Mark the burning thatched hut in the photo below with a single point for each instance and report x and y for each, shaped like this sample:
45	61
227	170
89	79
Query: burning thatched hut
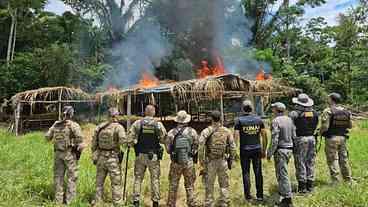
41	107
198	96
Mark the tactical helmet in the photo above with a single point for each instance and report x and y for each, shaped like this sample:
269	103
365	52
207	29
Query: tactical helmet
336	97
68	111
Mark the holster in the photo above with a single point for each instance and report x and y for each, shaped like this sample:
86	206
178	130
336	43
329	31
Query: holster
77	152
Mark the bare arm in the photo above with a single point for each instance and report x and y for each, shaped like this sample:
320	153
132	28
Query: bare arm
264	141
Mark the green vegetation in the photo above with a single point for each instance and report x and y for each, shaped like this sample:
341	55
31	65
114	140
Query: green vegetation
26	176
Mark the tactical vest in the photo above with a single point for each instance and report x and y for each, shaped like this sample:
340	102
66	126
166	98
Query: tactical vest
62	136
182	148
107	139
217	143
339	122
148	140
306	123
250	130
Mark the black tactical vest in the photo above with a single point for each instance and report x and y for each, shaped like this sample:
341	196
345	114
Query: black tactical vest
148	140
250	129
339	122
306	123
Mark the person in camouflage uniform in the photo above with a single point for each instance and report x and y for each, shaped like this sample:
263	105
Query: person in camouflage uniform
107	156
182	145
68	144
306	121
217	152
146	135
335	125
283	133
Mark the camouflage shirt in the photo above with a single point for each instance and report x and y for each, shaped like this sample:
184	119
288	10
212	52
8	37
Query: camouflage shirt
134	130
205	134
113	128
326	119
76	135
188	131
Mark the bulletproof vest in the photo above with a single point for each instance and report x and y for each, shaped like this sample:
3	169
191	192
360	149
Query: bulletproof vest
62	133
217	143
250	129
107	139
148	140
306	123
182	148
339	122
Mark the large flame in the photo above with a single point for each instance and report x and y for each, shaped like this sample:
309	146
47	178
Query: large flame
206	70
262	75
148	80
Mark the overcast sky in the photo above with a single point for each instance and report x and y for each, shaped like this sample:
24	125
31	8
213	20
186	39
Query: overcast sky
330	10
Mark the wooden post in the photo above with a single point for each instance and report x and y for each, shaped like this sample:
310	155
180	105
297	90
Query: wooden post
262	105
60	105
222	109
129	110
17	118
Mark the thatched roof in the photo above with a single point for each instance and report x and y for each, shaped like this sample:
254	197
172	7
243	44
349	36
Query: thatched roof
50	94
211	87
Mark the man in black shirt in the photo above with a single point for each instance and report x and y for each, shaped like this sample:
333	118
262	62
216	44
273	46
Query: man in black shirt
249	128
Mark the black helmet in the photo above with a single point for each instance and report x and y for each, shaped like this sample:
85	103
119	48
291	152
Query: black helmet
336	97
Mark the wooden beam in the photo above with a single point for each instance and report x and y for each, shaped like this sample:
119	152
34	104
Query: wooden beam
129	110
17	118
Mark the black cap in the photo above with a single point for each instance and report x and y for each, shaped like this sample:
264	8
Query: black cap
336	97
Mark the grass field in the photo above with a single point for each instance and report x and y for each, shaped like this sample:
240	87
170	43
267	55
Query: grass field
26	176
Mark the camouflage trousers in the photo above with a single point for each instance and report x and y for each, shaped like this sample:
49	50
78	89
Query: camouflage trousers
108	164
217	169
304	158
282	157
188	172
142	162
65	163
337	155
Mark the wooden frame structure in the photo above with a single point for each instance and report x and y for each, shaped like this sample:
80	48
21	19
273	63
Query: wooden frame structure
55	96
173	96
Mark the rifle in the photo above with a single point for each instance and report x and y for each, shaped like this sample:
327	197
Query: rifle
77	152
126	174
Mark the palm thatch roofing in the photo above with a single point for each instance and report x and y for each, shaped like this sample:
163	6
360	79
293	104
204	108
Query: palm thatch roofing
51	95
209	88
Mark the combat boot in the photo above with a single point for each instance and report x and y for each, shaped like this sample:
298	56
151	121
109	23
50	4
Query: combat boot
136	203
155	204
310	186
302	187
286	202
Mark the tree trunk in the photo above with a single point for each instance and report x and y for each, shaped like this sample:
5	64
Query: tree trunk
10	40
14	35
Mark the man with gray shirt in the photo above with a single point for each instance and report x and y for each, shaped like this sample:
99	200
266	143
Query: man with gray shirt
282	134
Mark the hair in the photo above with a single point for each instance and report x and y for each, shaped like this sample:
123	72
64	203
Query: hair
216	116
334	99
150	110
247	109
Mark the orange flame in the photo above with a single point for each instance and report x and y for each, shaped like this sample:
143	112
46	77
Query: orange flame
206	70
261	75
148	80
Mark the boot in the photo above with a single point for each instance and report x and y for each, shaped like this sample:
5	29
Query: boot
310	186
136	203
302	187
286	202
155	204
